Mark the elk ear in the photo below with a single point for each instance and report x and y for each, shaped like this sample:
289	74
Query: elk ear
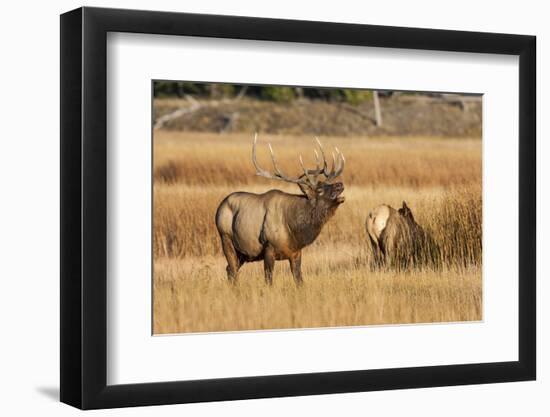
306	189
406	211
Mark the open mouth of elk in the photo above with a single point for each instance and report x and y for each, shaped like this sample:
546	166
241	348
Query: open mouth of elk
336	191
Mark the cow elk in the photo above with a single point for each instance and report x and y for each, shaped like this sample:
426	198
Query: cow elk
277	225
398	241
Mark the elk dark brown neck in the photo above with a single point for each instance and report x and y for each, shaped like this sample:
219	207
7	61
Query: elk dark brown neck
307	218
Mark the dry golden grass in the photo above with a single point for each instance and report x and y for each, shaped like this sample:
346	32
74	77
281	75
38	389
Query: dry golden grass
212	159
193	296
439	178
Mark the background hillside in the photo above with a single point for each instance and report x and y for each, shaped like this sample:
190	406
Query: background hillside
226	108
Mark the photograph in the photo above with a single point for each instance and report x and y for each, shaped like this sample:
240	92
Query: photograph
284	207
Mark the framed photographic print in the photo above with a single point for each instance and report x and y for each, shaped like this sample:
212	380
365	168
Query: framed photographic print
257	208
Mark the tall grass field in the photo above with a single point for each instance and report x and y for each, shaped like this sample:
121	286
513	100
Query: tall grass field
440	179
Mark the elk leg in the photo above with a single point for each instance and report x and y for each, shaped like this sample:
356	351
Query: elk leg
385	255
377	253
269	263
233	262
296	268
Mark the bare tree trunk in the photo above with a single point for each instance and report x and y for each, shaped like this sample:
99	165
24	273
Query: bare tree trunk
214	91
377	110
242	92
194	106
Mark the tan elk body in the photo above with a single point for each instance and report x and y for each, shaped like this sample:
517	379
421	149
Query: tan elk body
277	225
398	240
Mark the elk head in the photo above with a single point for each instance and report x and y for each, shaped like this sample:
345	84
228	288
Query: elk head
406	212
316	184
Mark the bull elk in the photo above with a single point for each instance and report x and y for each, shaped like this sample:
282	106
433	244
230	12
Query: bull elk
397	240
277	225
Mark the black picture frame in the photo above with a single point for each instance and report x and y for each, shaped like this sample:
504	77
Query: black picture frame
84	207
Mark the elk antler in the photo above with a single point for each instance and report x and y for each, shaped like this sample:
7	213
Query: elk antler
278	174
310	176
337	168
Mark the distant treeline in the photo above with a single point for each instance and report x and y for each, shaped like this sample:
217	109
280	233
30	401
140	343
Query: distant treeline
267	93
